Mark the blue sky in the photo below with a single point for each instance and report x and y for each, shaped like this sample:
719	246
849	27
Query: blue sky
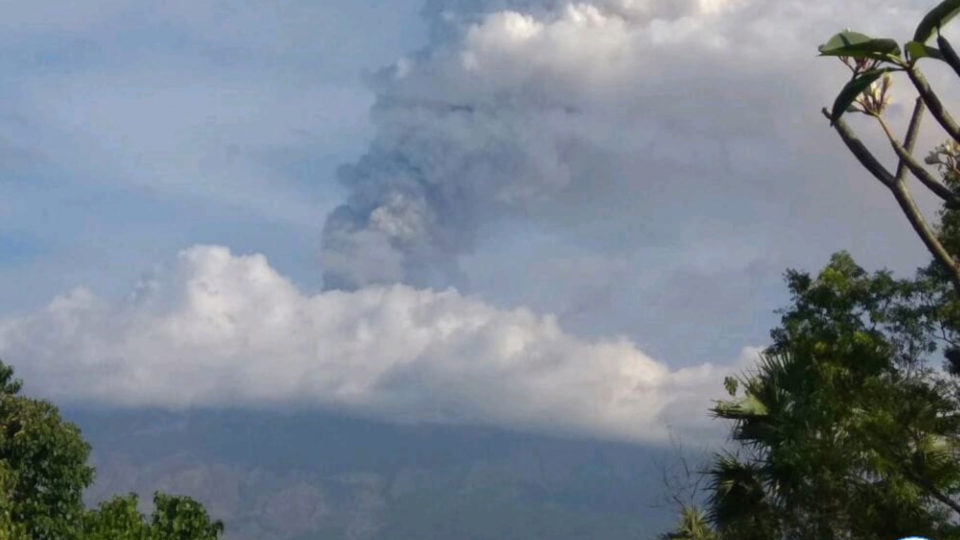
132	132
587	207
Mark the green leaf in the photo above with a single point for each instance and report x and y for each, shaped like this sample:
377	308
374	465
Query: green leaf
852	90
935	20
949	54
857	45
731	384
746	407
916	50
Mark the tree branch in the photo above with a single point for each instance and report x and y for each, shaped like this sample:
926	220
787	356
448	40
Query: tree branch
900	192
916	479
932	490
861	152
908	162
923	230
913	129
933	102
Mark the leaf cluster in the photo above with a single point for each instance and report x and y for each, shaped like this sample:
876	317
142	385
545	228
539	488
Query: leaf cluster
871	58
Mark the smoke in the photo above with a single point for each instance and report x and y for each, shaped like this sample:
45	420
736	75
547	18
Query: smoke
499	115
554	110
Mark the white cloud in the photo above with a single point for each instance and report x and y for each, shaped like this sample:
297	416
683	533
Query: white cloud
223	330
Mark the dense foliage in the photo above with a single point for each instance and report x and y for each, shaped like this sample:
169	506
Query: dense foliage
843	430
43	473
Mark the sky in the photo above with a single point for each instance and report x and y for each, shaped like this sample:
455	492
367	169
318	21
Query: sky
551	216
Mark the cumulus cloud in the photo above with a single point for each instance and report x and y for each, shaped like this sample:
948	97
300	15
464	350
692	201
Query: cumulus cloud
216	329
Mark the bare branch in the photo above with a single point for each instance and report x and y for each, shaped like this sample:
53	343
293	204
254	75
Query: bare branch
908	162
923	230
933	102
902	194
913	129
862	153
681	480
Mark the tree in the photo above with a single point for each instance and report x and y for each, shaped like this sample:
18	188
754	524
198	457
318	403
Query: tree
871	62
841	430
117	518
173	518
844	430
182	518
42	462
43	473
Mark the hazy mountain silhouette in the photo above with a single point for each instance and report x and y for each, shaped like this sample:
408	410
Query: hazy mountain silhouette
311	475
